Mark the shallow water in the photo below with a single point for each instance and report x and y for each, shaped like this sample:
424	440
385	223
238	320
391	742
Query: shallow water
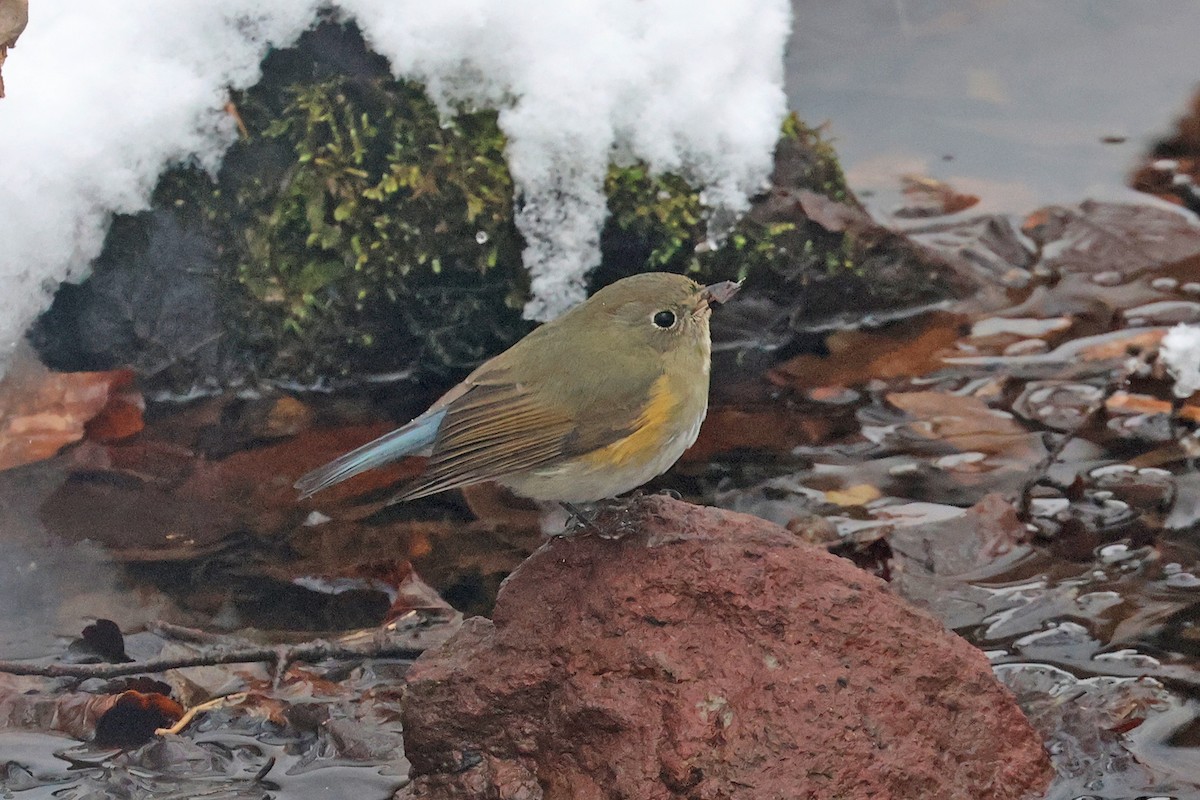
1092	623
1016	101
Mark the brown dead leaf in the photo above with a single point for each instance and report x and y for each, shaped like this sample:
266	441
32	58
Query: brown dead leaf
961	543
904	350
857	495
287	417
1125	403
772	429
1121	344
929	197
830	214
111	720
14	15
1124	239
122	416
41	412
133	717
966	423
148	501
414	594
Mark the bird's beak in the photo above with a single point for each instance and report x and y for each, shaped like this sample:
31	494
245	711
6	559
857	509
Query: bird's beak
720	292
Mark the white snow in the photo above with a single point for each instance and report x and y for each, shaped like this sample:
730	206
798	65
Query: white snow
104	94
1180	354
685	85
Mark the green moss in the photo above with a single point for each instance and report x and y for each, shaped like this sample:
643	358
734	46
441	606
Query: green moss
659	222
391	230
362	232
819	169
389	238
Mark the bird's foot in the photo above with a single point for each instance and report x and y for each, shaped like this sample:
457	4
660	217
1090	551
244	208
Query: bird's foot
607	519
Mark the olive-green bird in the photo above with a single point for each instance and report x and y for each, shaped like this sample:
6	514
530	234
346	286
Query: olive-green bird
584	408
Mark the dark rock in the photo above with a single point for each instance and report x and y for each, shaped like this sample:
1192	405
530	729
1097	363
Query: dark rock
1115	239
709	654
152	303
990	245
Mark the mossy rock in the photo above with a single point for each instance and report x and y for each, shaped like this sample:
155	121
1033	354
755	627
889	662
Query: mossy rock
352	231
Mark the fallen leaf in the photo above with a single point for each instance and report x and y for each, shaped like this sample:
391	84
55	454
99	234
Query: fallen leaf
1124	239
982	540
122	416
830	214
287	417
1127	725
103	638
908	349
414	594
1120	344
929	197
110	720
14	14
41	411
1124	403
133	717
989	246
858	495
964	422
773	428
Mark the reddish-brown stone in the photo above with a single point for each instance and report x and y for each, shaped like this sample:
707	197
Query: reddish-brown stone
709	655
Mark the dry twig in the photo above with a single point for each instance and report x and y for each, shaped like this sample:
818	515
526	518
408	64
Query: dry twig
279	657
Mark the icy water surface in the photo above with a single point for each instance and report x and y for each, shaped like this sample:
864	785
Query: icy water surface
1020	102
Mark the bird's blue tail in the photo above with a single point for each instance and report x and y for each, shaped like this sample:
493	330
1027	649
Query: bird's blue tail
412	438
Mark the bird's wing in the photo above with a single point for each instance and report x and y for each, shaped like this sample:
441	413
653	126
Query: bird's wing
495	428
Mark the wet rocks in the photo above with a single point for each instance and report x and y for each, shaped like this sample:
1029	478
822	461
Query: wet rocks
708	654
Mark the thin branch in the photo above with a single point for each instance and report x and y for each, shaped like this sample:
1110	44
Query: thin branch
279	657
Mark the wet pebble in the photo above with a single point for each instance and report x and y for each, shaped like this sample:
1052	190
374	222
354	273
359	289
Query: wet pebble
1030	327
1026	347
1129	656
1183	580
1168	312
1147	488
1061	405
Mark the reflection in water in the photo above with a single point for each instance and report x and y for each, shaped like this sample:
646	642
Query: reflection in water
1011	100
46	587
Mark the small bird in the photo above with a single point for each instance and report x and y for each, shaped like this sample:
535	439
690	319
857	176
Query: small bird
584	408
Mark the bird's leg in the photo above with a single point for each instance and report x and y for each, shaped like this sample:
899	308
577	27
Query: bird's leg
578	520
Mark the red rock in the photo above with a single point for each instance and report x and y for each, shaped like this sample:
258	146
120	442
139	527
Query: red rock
709	655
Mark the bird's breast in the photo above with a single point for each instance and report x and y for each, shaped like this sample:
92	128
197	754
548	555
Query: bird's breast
666	427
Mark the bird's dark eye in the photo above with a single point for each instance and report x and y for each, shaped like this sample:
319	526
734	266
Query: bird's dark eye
664	319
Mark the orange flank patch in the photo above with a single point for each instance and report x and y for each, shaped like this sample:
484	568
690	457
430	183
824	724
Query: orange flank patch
655	425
